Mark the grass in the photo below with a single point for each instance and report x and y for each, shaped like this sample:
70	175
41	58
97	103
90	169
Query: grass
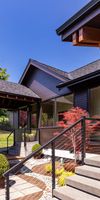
3	139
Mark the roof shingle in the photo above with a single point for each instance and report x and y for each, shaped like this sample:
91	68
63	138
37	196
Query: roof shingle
16	89
87	69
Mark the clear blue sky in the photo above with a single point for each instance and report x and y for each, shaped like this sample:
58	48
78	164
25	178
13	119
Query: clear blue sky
27	30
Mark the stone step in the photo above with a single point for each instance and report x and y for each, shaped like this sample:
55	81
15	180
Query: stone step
88	171
85	184
69	193
93	161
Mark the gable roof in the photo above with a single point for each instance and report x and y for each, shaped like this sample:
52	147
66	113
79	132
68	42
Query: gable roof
66	78
16	89
78	16
61	75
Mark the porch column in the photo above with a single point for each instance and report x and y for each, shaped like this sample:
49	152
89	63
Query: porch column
55	112
29	113
15	119
39	114
16	125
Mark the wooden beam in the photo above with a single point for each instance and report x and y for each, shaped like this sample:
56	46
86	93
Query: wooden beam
87	44
18	98
80	24
89	35
75	40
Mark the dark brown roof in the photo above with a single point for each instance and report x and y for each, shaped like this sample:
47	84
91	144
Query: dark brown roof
60	74
65	77
82	72
56	71
16	89
87	69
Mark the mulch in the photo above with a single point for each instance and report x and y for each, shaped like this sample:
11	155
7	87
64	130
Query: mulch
2	183
40	169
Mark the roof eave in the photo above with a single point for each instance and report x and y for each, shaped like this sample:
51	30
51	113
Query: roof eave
80	79
79	15
24	72
30	62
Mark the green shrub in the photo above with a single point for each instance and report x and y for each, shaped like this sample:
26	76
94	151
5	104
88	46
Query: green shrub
34	148
48	168
4	164
61	179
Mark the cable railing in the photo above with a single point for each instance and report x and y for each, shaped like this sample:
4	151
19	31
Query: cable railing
23	140
62	153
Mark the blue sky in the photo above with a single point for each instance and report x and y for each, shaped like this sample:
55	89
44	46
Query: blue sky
27	30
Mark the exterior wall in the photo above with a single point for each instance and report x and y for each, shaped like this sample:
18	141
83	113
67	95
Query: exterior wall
81	99
88	99
44	84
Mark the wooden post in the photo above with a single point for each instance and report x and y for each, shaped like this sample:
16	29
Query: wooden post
29	113
55	113
39	116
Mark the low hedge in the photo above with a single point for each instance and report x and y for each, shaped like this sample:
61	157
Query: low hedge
34	148
4	165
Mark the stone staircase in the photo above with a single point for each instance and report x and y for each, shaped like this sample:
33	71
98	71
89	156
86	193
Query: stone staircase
84	185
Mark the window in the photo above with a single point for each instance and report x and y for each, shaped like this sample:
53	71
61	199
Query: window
47	114
63	105
95	101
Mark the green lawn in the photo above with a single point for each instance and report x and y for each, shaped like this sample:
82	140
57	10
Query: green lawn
3	139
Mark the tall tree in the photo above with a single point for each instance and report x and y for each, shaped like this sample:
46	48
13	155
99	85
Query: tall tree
3	74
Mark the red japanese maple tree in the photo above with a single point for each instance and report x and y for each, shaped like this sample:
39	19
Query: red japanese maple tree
74	136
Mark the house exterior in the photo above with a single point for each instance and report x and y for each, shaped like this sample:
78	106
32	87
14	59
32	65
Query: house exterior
54	92
45	92
59	90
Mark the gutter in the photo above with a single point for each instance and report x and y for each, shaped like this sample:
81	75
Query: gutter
78	16
79	80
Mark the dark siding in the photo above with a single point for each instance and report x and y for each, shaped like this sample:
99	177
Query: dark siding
81	99
44	84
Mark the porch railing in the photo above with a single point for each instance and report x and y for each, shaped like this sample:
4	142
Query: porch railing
72	139
12	133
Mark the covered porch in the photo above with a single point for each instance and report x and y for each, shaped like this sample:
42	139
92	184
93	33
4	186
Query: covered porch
15	99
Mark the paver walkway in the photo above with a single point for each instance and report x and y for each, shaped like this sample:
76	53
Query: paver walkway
19	188
23	189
